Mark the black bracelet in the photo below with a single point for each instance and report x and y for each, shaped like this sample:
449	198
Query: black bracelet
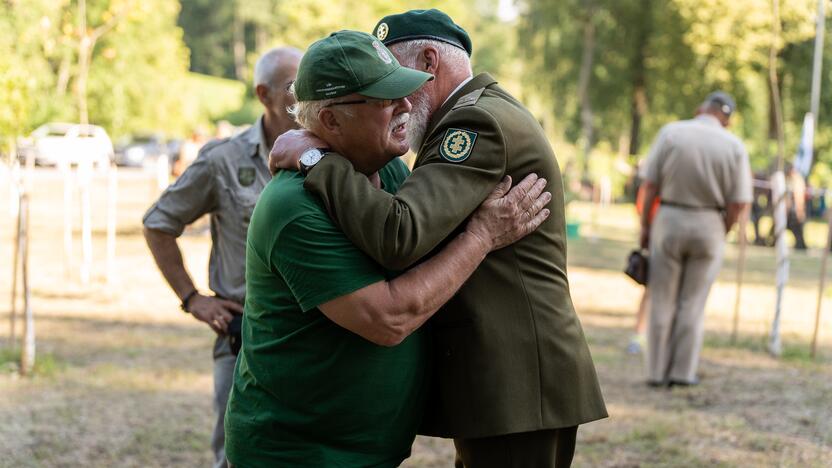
186	299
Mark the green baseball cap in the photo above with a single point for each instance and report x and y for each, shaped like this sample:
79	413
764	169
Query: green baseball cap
422	24
349	62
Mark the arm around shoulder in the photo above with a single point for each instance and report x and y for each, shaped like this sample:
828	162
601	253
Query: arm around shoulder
397	230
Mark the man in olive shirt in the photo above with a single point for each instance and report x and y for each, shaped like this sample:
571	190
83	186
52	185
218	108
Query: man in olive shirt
700	171
331	372
224	181
513	376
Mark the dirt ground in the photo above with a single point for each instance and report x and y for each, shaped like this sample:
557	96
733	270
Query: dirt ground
123	378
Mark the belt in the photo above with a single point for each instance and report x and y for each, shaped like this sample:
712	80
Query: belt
229	299
691	207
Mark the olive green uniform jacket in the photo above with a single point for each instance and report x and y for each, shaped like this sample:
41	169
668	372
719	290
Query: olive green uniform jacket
509	354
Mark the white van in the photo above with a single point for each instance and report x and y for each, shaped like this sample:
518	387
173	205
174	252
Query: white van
62	143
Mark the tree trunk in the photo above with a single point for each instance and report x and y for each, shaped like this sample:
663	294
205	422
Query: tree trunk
84	52
584	77
239	38
63	74
83	62
639	104
261	38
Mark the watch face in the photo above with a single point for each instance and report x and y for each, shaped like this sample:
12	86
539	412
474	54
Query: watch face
311	157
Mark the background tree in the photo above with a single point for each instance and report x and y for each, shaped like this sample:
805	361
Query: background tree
656	60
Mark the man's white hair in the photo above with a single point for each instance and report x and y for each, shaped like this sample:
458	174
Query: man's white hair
267	65
408	52
306	113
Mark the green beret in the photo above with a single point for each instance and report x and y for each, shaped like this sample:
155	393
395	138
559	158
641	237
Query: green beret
422	24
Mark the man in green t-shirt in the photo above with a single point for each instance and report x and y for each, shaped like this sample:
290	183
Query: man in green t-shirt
333	369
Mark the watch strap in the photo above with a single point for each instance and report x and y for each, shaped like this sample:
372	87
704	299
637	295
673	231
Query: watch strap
186	300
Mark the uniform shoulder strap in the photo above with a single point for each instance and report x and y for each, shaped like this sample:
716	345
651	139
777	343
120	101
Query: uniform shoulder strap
469	99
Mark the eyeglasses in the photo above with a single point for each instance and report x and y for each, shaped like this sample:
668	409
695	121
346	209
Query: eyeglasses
379	102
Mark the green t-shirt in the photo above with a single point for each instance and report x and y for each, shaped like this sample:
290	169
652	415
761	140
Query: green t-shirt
306	391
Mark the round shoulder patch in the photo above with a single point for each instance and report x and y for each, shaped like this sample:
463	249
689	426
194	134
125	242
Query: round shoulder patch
381	32
457	145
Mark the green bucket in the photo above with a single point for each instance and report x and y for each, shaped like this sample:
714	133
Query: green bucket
573	229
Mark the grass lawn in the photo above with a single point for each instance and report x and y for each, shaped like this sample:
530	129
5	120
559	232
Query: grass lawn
124	378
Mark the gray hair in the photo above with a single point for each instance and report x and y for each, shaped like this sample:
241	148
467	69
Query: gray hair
306	113
408	51
269	63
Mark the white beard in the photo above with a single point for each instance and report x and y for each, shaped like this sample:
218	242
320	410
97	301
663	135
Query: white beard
418	122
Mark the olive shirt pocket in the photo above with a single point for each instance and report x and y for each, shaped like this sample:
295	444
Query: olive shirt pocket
243	201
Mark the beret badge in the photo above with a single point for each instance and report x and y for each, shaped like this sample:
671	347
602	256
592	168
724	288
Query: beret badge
381	32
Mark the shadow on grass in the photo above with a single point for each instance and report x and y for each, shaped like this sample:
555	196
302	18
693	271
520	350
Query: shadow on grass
74	342
89	425
610	254
46	364
108	324
795	349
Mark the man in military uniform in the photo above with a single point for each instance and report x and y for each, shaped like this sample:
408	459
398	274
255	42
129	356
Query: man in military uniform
333	368
702	175
513	376
224	181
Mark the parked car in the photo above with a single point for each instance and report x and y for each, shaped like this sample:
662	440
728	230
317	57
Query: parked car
57	143
141	150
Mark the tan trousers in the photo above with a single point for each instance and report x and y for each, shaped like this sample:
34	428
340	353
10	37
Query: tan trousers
686	248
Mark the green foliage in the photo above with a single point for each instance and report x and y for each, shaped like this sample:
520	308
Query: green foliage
46	365
213	97
652	62
207	31
140	73
136	72
678	51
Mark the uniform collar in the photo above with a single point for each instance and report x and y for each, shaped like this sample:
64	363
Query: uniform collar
709	119
480	81
464	82
255	139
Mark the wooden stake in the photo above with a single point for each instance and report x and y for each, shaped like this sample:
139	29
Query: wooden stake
66	170
15	270
822	285
85	181
27	356
112	201
162	172
743	238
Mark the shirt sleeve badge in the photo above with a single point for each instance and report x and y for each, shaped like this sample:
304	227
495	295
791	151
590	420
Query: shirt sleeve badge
457	145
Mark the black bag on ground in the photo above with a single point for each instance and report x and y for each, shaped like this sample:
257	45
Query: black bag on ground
637	266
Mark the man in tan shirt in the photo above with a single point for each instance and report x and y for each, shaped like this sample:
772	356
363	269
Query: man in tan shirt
701	173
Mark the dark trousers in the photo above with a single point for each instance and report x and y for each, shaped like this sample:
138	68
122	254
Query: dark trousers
551	448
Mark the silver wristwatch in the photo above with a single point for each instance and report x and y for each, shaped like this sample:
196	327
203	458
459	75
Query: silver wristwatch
311	157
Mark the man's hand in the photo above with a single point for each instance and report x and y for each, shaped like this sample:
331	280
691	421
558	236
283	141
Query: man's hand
217	313
507	216
289	146
644	238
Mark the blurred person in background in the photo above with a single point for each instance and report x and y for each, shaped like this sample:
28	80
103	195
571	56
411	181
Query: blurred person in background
188	152
761	206
224	182
225	129
701	173
795	205
639	337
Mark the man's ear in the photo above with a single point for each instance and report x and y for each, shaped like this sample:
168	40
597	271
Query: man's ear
328	119
262	92
429	59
